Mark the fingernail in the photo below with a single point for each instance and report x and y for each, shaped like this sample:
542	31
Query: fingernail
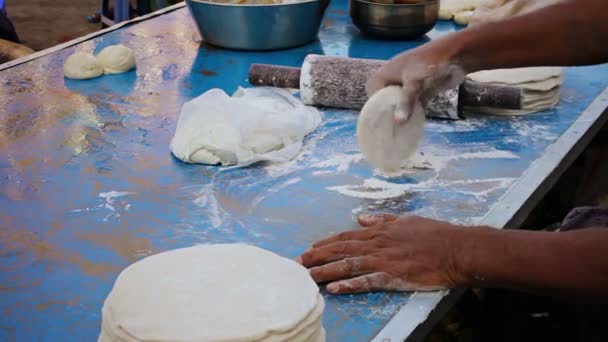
298	260
333	288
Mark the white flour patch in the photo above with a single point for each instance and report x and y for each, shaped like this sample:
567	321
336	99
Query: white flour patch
373	188
111	204
534	131
468	125
323	173
340	162
205	198
440	161
307	152
274	189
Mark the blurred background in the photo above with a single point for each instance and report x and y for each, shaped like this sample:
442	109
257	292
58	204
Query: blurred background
32	25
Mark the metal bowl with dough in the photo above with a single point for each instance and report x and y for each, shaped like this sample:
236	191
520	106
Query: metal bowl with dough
258	24
392	19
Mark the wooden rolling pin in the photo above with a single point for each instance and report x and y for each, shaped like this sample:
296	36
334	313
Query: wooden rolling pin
339	82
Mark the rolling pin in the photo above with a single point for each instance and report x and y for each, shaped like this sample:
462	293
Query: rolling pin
339	82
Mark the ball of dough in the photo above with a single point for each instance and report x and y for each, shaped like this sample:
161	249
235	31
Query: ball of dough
224	292
82	66
462	18
116	59
384	143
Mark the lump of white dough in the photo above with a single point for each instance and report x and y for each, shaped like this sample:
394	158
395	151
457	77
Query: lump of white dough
462	18
82	66
541	88
116	59
383	142
449	8
205	293
255	124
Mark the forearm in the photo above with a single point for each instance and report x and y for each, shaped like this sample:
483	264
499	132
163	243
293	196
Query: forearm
570	263
569	33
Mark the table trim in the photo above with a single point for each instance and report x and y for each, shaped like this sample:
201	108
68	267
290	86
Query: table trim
423	311
89	36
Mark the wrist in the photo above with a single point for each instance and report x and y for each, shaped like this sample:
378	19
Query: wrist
472	243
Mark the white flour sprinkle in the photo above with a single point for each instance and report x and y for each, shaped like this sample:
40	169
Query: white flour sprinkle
341	162
109	204
373	188
274	189
205	198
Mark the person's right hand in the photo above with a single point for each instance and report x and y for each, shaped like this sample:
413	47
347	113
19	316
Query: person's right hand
422	73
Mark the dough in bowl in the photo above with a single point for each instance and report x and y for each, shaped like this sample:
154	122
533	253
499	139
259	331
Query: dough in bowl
116	59
384	143
214	293
82	66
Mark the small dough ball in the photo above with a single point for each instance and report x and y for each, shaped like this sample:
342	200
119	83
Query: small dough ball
386	144
82	66
463	18
116	59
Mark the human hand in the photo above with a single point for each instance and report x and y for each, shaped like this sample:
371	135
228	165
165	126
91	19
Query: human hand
422	73
392	253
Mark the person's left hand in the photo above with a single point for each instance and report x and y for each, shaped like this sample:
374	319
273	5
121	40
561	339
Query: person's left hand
391	253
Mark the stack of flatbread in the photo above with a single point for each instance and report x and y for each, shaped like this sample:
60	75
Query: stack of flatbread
219	293
540	86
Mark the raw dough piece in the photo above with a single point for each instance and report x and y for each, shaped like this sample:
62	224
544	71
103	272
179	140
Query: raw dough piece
462	18
541	87
82	66
116	59
254	124
449	8
226	292
386	144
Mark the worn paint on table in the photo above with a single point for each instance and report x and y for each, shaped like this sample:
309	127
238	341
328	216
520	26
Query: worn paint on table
87	183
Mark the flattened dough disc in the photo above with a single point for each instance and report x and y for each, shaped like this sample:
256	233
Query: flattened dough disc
225	292
385	144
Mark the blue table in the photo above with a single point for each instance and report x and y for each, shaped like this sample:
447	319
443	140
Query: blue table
88	186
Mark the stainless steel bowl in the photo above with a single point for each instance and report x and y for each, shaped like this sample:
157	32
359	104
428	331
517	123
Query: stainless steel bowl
258	27
394	21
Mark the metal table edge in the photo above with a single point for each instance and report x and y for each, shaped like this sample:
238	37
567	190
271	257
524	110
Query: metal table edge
418	316
89	36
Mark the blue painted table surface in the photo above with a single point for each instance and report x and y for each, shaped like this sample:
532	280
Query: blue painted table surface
88	184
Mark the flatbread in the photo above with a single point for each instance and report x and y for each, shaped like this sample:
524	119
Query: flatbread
541	88
222	293
384	143
516	76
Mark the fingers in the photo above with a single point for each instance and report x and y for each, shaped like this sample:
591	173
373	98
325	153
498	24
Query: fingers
357	235
405	108
343	269
332	252
374	83
366	283
369	220
383	77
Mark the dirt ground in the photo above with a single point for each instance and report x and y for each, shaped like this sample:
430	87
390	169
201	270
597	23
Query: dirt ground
43	23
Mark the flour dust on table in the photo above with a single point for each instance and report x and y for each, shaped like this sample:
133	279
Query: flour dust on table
254	124
214	293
